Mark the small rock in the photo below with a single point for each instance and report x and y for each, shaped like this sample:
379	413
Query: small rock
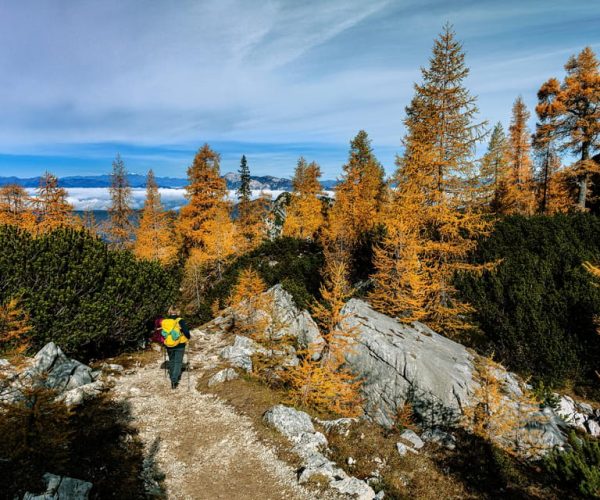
351	461
380	495
4	363
593	427
63	488
290	422
403	449
440	437
112	367
413	439
222	376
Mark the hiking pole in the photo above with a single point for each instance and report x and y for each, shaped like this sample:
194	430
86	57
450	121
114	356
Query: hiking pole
187	367
164	350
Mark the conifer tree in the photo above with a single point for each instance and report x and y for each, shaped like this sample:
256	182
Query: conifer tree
244	193
552	183
15	209
570	114
304	214
52	209
155	239
14	327
358	197
494	169
206	193
120	227
435	188
519	197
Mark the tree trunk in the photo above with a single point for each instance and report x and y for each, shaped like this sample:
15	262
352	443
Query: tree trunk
583	178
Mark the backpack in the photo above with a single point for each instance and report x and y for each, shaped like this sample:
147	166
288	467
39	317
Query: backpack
171	332
157	332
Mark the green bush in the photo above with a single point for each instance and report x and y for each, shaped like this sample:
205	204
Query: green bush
294	263
89	300
577	468
538	308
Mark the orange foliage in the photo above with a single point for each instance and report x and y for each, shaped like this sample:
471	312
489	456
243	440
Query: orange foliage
570	115
304	214
155	239
52	209
14	327
15	209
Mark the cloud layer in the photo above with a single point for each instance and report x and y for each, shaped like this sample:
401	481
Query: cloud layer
81	79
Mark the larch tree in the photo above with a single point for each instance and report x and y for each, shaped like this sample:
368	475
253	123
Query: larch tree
14	327
120	228
519	197
435	189
52	209
358	197
304	215
494	170
15	207
206	192
325	382
155	239
570	114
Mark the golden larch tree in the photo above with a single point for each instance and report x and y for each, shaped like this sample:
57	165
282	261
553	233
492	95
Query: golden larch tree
14	327
436	174
52	210
120	228
304	215
155	239
206	192
358	196
570	114
326	383
15	207
519	194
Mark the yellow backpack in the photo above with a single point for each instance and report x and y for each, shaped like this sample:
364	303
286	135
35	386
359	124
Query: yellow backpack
171	332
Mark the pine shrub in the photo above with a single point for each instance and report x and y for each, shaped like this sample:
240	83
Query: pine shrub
88	299
538	308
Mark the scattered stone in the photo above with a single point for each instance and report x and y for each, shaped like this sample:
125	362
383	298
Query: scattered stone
440	437
222	376
351	461
593	427
62	488
290	422
111	367
404	449
4	363
380	495
412	437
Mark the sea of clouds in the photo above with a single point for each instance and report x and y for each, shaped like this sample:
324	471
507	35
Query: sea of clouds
172	198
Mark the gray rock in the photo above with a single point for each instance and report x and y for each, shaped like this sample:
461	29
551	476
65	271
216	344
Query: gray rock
290	422
240	353
62	488
222	376
4	363
402	363
112	367
415	441
74	397
403	449
593	427
440	437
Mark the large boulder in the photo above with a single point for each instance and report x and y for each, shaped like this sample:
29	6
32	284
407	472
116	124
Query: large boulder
402	363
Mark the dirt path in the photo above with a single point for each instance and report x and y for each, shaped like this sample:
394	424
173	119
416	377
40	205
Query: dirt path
202	446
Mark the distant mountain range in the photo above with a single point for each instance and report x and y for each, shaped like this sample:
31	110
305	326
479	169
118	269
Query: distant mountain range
267	182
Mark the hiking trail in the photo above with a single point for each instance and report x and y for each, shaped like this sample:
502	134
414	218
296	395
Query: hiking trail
204	448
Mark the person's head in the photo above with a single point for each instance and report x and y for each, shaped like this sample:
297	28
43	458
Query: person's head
173	311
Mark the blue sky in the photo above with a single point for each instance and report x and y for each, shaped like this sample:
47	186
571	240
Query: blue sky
83	79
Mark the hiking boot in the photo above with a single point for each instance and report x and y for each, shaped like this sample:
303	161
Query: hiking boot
174	385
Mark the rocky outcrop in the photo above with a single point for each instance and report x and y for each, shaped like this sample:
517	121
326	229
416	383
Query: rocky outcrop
222	376
50	367
286	319
310	446
580	415
403	363
62	488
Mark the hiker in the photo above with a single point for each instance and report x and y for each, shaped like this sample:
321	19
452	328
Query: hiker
176	335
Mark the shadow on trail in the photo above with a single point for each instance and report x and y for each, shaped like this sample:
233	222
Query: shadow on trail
95	442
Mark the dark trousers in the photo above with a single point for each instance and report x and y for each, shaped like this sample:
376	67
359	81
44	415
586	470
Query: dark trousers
175	361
